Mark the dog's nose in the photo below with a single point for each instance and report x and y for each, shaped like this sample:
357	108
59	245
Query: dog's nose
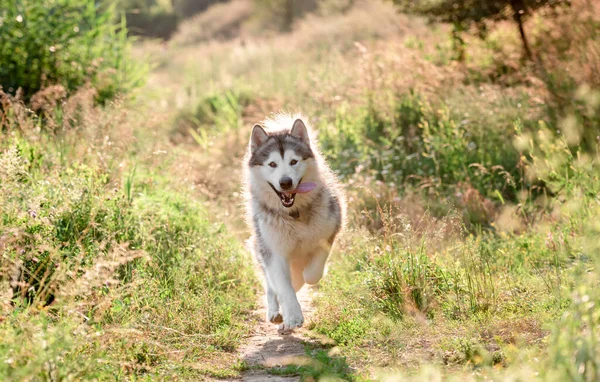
286	182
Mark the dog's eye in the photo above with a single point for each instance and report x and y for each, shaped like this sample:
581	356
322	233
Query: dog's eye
273	164
293	162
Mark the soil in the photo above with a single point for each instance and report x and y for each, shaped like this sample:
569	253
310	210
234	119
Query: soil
266	348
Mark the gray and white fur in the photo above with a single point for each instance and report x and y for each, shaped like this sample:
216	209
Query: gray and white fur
292	233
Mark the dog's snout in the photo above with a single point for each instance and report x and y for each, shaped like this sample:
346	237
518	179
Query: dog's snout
286	183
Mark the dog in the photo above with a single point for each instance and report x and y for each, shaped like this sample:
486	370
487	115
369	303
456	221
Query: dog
295	209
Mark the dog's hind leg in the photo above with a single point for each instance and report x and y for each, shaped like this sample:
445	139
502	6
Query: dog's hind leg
313	272
279	278
296	274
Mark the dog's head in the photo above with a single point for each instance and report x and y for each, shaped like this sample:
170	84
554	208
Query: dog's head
282	160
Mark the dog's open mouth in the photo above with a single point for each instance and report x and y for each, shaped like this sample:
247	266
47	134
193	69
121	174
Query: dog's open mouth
288	197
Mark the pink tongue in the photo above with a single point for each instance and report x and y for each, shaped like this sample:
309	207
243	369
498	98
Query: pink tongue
303	188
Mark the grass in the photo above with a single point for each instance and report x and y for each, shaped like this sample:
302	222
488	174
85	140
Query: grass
321	365
471	248
138	278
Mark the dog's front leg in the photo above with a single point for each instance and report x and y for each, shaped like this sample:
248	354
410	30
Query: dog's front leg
278	274
272	305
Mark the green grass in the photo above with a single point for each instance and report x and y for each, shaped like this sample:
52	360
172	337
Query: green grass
320	366
414	280
120	273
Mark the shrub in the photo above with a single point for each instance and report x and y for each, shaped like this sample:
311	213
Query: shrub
65	42
68	223
423	144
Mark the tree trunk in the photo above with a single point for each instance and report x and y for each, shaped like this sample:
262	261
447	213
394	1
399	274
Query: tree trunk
519	10
458	43
289	15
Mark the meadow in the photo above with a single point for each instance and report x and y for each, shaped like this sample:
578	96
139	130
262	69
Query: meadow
472	246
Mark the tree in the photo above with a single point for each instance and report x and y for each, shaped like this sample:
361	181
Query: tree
283	13
465	13
188	8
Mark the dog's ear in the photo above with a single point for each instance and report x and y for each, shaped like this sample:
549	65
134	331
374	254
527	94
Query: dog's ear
258	137
299	130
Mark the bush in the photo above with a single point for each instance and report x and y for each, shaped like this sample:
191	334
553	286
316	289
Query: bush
423	144
85	222
64	42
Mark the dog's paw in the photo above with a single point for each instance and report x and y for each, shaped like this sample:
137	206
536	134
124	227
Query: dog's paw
274	317
291	322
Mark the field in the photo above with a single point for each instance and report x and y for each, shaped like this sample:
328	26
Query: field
471	249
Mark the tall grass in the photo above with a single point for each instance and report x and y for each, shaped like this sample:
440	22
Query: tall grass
107	270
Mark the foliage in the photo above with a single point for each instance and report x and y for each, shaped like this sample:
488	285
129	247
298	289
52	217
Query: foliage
64	42
475	11
464	13
423	272
103	268
215	114
426	146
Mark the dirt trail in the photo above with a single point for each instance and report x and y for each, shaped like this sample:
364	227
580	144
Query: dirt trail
218	181
265	348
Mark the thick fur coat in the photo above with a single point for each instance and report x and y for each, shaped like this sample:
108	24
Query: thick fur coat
295	208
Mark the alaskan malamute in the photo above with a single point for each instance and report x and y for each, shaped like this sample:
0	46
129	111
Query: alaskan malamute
295	209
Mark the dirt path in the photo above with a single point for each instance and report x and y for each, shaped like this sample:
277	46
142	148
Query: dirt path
218	180
265	348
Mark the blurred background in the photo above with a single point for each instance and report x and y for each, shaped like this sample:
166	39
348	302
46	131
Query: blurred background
465	134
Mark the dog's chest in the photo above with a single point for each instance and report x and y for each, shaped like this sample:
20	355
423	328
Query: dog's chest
305	226
298	233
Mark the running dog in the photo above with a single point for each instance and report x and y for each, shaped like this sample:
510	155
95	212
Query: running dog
295	209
